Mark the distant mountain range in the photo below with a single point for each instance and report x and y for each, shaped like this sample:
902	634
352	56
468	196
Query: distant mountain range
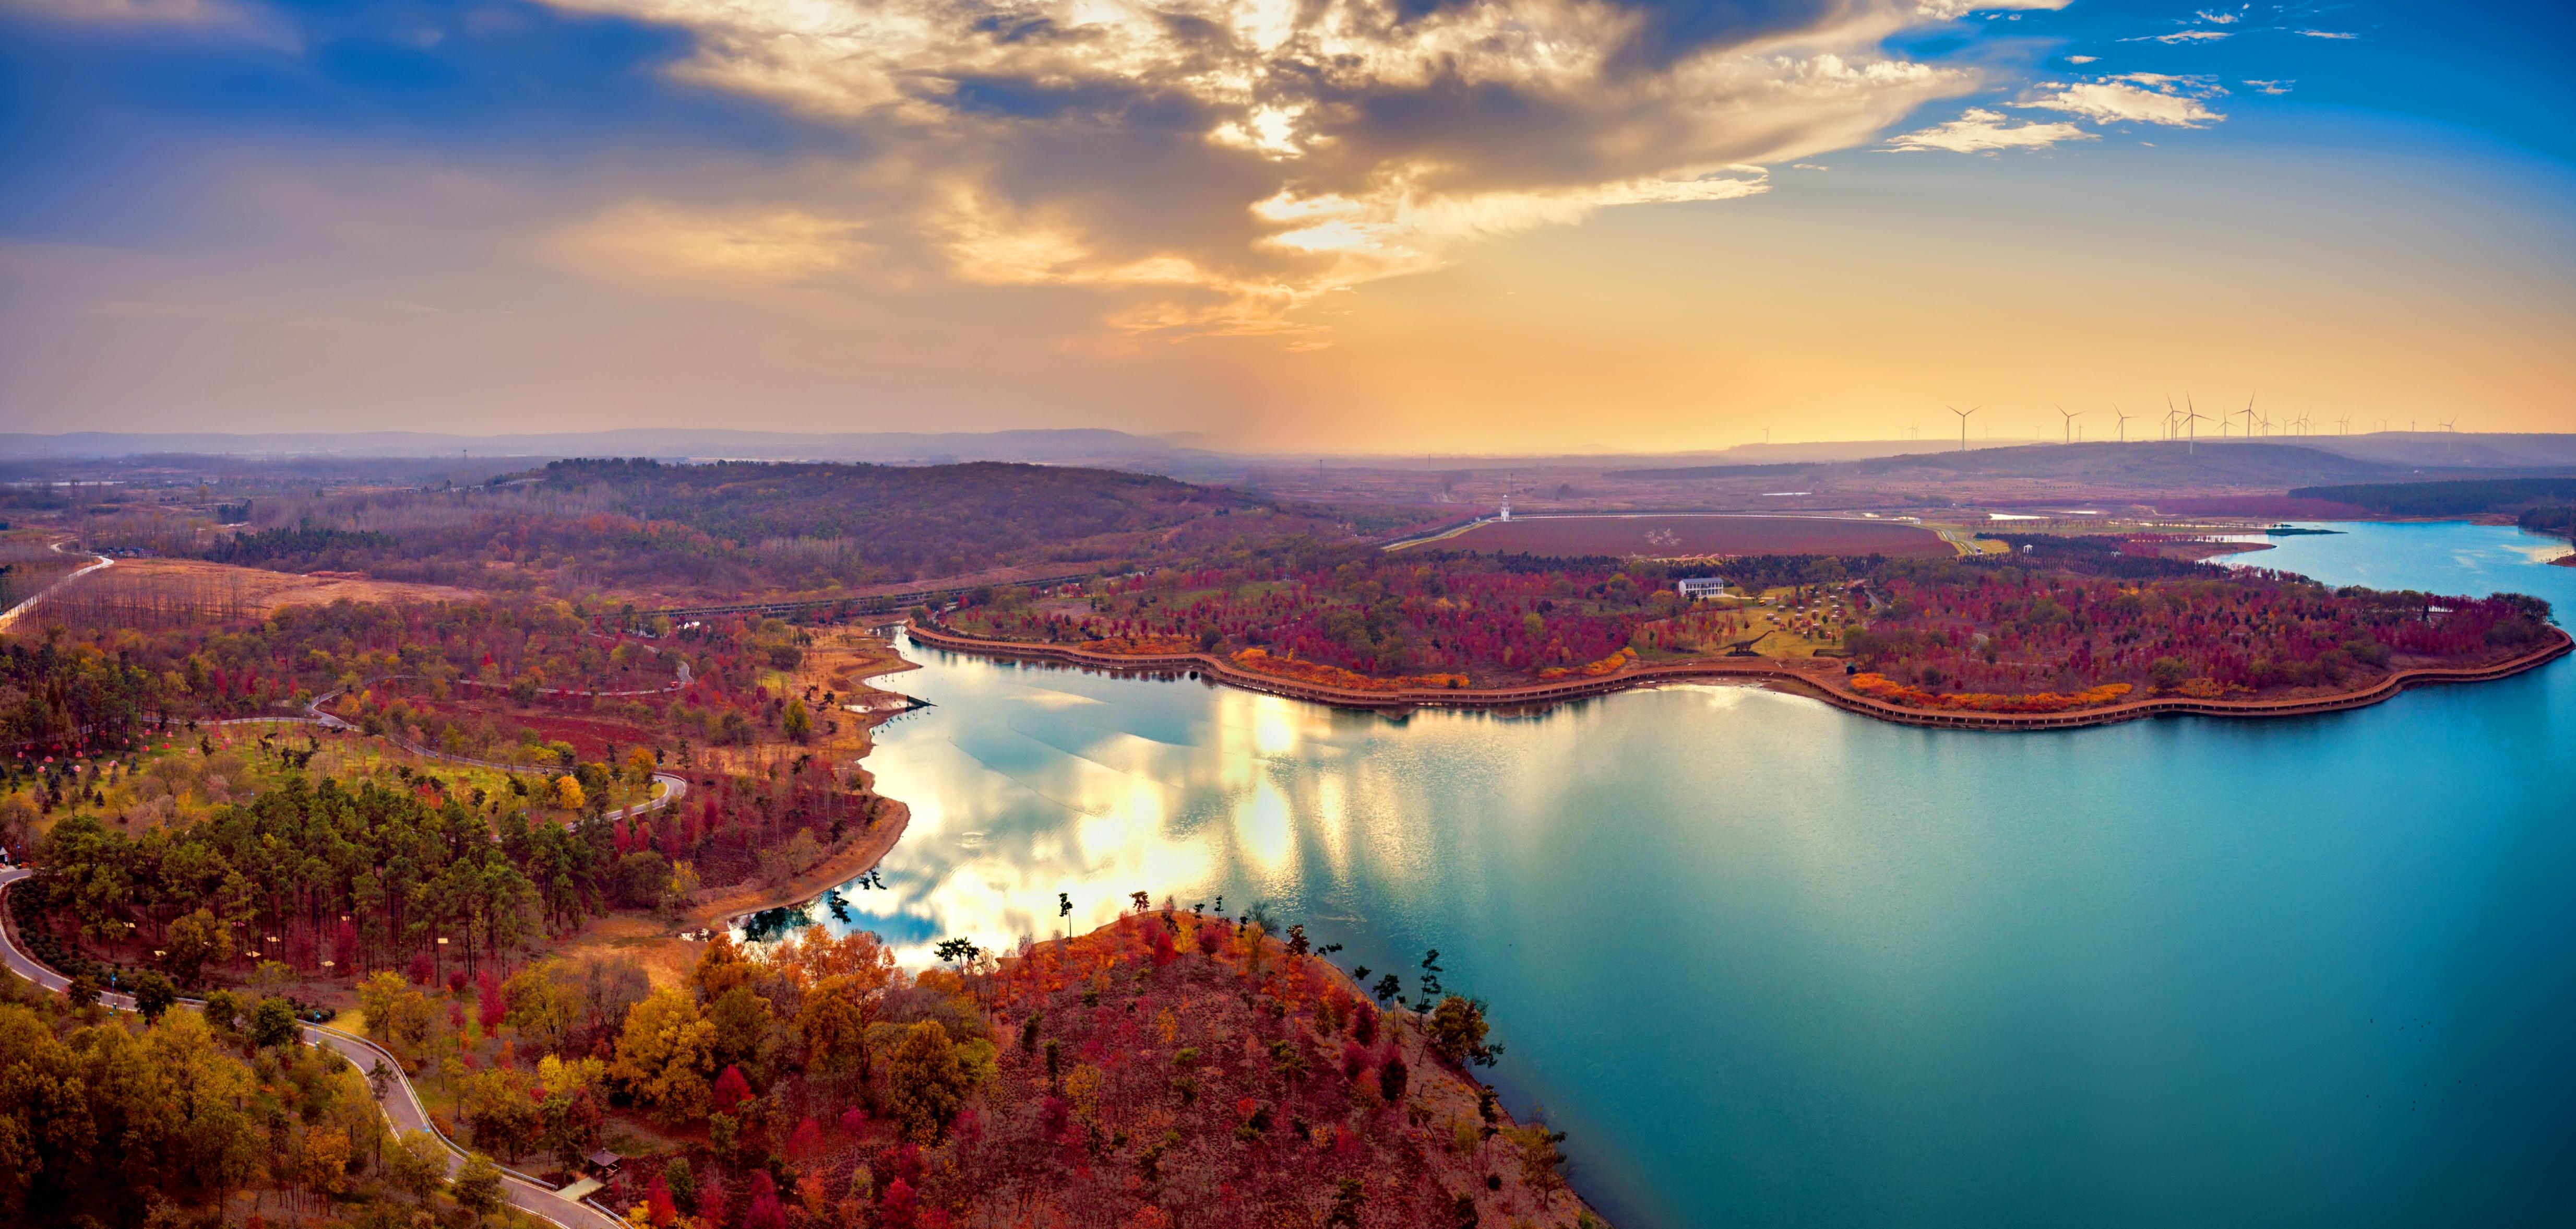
2310	458
1080	444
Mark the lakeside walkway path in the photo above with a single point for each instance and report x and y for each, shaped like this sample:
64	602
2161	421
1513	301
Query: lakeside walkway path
402	1105
1819	677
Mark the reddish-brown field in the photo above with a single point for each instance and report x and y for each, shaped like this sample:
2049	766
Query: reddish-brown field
1670	536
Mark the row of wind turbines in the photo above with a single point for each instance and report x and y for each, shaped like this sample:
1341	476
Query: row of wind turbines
2184	424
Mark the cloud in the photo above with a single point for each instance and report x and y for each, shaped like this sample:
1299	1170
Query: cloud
220	18
2219	19
2180	36
2082	59
653	241
1209	166
168	12
2146	98
1951	10
2271	87
2325	34
1978	130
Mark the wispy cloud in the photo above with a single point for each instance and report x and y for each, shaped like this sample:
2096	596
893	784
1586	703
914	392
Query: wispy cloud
2180	36
651	241
2326	34
2082	59
2270	87
1979	130
2219	19
175	12
219	18
2145	98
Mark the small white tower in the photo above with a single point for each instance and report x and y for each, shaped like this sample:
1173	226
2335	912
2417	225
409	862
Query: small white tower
1507	508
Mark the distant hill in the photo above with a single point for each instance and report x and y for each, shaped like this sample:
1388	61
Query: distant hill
725	528
896	447
2453	449
2161	464
2451	498
1713	471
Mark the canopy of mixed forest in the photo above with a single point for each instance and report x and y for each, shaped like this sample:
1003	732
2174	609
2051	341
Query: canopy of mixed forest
2057	622
729	529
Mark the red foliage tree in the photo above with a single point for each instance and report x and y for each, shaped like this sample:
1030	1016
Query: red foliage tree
899	1208
804	1141
731	1089
490	1007
761	1209
714	1203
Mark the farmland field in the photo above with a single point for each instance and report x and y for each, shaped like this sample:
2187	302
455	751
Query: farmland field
1668	536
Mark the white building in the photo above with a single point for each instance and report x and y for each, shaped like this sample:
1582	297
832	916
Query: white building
1702	586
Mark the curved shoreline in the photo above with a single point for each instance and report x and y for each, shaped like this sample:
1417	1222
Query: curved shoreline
1785	673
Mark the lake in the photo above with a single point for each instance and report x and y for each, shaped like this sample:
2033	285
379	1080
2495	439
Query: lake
1771	963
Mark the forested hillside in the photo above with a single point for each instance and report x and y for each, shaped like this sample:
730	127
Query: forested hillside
731	529
2462	498
2060	621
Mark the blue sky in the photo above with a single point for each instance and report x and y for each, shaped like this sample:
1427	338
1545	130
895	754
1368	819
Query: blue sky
1222	217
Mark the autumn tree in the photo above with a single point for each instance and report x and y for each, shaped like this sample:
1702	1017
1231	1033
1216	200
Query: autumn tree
477	1186
928	1076
833	1023
1456	1032
665	1055
417	1165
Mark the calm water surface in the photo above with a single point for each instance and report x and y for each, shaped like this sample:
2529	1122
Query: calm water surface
1770	963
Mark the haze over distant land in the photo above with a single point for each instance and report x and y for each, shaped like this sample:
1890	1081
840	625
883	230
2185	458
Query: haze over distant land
1517	227
1119	449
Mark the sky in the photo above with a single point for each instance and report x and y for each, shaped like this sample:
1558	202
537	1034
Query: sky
1389	226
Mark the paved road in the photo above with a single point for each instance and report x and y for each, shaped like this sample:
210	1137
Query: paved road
13	614
402	1104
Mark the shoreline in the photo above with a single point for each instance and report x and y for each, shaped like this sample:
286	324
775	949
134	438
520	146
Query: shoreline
1787	674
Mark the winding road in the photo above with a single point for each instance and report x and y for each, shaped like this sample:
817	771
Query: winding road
10	617
401	1103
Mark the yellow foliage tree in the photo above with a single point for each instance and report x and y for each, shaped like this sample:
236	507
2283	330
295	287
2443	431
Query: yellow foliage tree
397	1012
558	1077
568	793
834	1023
324	1167
666	1055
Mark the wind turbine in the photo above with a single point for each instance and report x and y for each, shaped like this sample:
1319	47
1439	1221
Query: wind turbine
2344	424
2192	420
2171	414
2453	424
1963	421
2267	419
2069	424
2124	417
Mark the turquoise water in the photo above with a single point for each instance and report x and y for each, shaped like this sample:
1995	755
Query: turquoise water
1770	963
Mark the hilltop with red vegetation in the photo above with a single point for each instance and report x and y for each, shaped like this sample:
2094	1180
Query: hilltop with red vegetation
1169	1068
